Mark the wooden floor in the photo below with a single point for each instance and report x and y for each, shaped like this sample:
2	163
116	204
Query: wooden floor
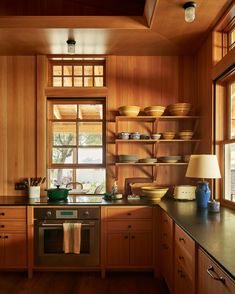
80	283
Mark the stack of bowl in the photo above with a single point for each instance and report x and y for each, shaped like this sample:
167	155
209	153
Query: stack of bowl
154	110
148	160
154	193
123	135
135	136
179	109
168	135
129	110
127	158
170	159
186	135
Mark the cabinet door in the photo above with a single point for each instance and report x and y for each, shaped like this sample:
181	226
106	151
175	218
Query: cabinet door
182	282
118	249
166	255
1	249
211	279
14	250
141	248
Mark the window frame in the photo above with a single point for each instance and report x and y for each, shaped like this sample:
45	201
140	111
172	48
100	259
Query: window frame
222	137
72	62
79	101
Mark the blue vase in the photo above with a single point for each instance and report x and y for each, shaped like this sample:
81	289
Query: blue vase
202	194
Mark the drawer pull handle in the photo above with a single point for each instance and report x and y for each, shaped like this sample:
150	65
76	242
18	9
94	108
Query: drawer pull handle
128	213
132	237
210	272
129	226
181	257
182	239
6	237
2	226
2	213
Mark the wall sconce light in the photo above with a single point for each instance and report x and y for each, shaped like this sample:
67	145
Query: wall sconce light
189	11
71	46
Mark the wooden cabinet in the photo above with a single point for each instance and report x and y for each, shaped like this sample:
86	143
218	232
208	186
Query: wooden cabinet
211	278
13	246
129	237
184	262
166	248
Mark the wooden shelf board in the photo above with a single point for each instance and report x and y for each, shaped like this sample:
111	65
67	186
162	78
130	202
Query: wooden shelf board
148	164
153	118
154	140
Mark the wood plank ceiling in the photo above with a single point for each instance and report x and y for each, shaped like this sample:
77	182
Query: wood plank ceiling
105	27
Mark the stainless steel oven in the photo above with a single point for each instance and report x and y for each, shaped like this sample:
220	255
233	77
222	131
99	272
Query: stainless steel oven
48	236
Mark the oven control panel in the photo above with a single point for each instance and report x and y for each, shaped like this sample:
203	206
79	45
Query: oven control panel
67	213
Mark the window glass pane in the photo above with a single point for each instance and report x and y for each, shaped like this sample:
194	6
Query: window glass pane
68	82
68	70
88	82
64	155
99	70
64	133
90	155
232	103
59	177
77	82
57	70
65	111
89	133
88	70
77	70
57	82
89	111
99	82
93	180
229	176
232	37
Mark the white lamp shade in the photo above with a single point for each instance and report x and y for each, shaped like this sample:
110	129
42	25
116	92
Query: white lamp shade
204	166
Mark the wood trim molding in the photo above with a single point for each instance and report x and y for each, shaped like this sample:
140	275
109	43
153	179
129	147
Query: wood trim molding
81	22
76	92
227	61
150	11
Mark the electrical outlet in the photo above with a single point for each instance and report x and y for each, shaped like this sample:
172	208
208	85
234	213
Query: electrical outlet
20	186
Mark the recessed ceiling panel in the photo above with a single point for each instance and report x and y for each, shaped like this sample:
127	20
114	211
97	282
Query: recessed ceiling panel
72	7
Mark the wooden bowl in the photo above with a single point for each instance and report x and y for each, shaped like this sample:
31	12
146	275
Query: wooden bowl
154	110
168	135
154	193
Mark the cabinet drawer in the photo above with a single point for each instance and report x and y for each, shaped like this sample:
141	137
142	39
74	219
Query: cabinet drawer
186	260
129	212
12	225
166	228
12	212
132	225
184	241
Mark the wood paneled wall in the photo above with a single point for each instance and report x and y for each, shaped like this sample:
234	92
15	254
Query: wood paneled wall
131	80
17	121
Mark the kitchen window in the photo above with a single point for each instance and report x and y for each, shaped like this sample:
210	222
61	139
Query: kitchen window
76	73
225	133
76	144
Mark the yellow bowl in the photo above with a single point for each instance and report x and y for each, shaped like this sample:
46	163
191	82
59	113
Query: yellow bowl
154	193
129	110
136	187
154	110
168	135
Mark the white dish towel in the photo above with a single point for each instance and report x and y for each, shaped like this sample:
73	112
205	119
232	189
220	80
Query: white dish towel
72	237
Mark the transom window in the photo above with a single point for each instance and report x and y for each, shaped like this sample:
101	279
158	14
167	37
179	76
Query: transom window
76	73
76	144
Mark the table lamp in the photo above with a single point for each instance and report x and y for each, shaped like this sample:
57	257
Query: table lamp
204	166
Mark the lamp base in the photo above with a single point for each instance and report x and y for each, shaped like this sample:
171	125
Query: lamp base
202	194
213	206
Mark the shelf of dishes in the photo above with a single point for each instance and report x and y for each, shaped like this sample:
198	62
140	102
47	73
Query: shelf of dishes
150	164
127	159
153	118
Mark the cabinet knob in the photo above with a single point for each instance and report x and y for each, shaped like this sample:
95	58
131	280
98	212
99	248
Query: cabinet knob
129	226
2	226
6	237
132	237
181	257
182	240
129	213
2	213
213	274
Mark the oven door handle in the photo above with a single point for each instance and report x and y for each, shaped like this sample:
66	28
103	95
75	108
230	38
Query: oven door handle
61	225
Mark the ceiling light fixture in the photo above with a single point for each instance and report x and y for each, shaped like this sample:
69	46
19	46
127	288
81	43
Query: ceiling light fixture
189	11
71	46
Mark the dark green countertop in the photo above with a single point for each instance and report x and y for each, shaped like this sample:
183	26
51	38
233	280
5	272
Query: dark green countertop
214	232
